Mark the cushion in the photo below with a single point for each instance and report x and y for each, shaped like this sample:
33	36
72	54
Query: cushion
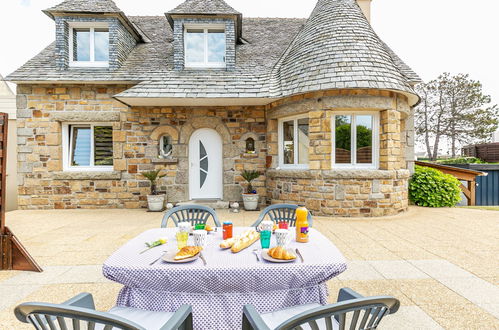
147	319
276	318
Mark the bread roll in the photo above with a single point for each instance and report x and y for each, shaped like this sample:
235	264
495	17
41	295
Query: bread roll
245	241
228	243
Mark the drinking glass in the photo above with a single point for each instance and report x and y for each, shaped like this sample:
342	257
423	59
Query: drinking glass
282	237
265	238
182	237
200	237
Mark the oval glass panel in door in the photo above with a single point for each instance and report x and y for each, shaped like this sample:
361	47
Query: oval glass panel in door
203	164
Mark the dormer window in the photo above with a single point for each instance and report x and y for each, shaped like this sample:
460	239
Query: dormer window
89	45
205	46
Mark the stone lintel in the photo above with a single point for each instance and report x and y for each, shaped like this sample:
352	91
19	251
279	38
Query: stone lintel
85	116
106	175
339	174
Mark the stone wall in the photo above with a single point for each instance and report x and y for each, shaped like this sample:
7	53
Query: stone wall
330	191
43	185
354	193
42	109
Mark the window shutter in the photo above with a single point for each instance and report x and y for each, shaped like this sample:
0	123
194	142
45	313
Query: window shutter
103	142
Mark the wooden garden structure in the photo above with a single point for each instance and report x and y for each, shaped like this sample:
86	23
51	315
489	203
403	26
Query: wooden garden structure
13	255
488	152
462	174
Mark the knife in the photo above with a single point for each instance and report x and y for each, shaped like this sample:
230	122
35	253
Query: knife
299	254
202	258
152	263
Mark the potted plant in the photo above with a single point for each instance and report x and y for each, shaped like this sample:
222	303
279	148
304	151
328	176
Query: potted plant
155	202
250	198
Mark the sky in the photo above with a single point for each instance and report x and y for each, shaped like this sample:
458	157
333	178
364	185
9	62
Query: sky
431	36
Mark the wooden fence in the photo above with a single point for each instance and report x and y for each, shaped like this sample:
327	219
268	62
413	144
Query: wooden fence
488	152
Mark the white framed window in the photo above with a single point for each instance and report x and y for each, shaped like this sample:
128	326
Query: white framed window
204	46
87	147
88	44
355	140
294	142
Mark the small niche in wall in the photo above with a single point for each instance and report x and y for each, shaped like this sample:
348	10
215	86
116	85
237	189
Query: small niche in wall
250	146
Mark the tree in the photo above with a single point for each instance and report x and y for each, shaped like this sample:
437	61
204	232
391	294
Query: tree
454	107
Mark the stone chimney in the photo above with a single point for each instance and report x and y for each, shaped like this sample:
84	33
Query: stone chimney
365	5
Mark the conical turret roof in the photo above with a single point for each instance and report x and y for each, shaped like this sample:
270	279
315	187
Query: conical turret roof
337	48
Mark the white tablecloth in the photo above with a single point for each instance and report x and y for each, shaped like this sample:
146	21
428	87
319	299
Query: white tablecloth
218	291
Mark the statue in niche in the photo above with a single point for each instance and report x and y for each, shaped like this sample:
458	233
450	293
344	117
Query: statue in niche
250	146
165	146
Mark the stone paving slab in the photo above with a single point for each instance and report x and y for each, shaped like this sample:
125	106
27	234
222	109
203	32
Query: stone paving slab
440	263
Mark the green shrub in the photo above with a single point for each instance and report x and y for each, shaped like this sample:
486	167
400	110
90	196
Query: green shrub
432	188
461	160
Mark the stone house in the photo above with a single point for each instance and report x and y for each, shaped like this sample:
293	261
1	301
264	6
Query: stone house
321	106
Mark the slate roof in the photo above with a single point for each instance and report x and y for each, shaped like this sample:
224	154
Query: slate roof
92	7
84	6
335	48
206	7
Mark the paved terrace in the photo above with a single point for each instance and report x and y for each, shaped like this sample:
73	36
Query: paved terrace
442	264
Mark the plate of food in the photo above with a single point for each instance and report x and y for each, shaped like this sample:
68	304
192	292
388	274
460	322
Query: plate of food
186	254
278	254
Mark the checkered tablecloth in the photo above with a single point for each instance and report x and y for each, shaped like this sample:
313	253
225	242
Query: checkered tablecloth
218	291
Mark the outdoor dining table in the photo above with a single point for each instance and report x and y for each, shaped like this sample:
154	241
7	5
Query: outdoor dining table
219	290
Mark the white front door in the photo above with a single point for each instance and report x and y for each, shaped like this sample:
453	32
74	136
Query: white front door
205	165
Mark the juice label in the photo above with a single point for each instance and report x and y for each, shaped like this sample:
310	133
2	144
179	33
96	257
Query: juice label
304	230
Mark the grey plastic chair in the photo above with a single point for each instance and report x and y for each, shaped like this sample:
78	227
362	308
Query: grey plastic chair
352	311
195	214
281	212
79	313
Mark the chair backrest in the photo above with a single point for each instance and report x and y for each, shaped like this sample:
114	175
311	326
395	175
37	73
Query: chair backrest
281	212
45	316
195	214
361	314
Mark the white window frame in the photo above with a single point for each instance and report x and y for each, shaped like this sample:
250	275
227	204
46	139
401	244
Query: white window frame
67	147
92	26
205	28
375	141
280	132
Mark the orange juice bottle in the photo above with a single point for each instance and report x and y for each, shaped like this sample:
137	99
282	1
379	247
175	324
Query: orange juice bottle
301	225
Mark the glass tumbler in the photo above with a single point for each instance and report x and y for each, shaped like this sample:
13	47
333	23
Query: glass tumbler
182	237
265	238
